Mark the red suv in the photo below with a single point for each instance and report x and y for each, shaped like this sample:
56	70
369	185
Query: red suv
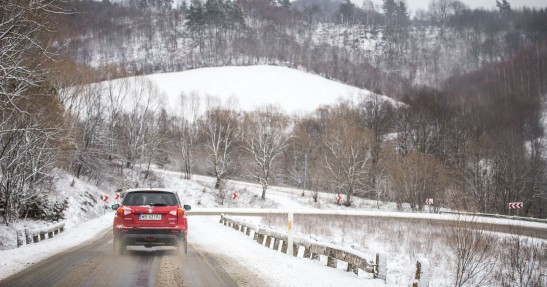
150	217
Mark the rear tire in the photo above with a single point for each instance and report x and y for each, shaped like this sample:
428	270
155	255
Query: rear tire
182	246
118	247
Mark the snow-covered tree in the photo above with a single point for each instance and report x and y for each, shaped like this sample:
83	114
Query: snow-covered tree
221	128
267	136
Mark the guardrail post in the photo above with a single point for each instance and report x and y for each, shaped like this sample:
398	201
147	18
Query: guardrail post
20	237
248	231
36	238
28	235
42	235
422	273
50	234
269	241
221	218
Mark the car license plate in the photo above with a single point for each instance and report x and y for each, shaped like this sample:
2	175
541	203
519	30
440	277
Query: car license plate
150	217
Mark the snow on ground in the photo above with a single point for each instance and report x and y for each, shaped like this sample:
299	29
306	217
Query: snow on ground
14	260
251	87
273	266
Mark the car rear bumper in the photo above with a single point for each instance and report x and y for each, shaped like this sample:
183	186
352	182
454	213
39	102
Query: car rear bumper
150	237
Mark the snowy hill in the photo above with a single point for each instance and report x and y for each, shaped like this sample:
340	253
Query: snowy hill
250	87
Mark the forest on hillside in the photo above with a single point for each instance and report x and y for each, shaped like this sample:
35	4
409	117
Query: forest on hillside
470	133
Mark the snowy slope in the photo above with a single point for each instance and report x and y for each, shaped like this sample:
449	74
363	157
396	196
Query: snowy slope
250	87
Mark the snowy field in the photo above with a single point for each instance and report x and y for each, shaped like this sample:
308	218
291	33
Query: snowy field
404	242
241	87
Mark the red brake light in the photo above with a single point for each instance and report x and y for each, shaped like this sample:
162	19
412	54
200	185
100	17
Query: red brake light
119	212
180	211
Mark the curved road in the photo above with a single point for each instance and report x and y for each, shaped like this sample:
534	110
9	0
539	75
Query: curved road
94	265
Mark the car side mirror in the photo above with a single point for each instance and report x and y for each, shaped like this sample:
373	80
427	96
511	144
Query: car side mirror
115	206
187	207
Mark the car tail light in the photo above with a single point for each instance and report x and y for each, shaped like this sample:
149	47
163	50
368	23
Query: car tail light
178	212
123	211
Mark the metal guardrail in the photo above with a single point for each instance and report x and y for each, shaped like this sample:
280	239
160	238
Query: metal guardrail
522	218
312	249
36	235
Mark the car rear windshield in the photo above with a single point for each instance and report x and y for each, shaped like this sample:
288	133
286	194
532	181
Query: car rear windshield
150	198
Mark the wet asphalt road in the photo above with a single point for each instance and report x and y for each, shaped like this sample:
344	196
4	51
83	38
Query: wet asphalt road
94	264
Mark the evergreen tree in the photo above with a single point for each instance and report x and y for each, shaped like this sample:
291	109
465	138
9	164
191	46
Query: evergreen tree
503	6
346	11
401	14
390	8
284	3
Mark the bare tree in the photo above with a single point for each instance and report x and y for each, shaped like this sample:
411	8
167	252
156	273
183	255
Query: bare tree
267	137
221	129
474	254
348	156
136	135
377	114
26	134
189	112
416	177
525	261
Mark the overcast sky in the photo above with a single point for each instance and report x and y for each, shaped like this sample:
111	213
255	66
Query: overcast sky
423	4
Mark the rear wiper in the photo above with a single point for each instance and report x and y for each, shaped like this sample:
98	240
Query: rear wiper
158	204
